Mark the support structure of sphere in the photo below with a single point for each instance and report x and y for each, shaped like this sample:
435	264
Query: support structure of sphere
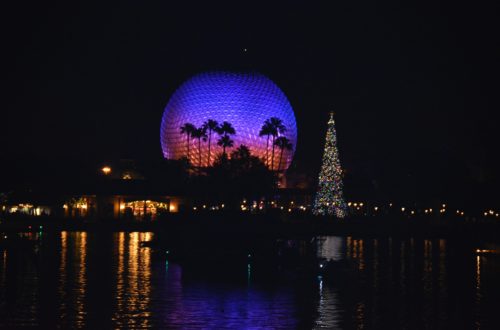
245	100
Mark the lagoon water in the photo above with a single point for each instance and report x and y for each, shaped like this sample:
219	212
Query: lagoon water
107	280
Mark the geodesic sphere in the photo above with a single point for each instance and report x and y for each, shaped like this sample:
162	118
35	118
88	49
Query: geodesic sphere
245	100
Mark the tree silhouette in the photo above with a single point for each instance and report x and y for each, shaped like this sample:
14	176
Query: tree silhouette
187	129
277	128
199	134
210	126
284	144
225	142
225	130
266	130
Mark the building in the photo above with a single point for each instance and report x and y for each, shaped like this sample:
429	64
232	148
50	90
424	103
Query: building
245	100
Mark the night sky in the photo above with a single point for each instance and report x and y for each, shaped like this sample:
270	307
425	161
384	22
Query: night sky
413	84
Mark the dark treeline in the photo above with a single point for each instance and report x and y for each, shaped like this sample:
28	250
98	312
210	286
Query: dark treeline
272	129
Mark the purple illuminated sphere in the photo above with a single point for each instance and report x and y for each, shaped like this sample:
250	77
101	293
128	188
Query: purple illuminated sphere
245	100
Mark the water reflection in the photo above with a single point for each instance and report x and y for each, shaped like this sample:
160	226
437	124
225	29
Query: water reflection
108	280
329	313
133	281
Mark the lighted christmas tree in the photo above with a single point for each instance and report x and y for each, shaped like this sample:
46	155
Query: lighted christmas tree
329	198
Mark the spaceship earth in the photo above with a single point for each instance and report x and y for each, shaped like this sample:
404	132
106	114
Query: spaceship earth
245	100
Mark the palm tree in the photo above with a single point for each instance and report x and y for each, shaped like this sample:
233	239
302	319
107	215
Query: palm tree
188	129
283	143
277	128
242	152
210	126
225	142
199	134
266	130
225	130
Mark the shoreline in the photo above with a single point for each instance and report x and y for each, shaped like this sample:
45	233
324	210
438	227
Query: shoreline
259	226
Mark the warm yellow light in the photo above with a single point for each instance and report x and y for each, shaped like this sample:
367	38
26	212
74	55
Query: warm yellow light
485	251
194	208
349	204
412	212
106	170
402	209
360	204
426	211
376	208
172	208
122	207
444	205
65	206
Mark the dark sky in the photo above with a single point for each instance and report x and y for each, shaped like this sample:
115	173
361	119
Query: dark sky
414	84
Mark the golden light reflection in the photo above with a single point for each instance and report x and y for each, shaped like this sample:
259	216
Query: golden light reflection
120	287
81	279
133	284
355	249
478	274
361	264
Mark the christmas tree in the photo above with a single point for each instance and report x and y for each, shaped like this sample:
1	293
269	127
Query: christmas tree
329	198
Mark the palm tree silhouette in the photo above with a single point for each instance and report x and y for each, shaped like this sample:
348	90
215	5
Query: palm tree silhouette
277	128
266	130
284	144
199	133
187	129
242	152
210	126
225	142
225	130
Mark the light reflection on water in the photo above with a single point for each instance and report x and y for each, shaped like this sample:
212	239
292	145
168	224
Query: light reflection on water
133	281
80	279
